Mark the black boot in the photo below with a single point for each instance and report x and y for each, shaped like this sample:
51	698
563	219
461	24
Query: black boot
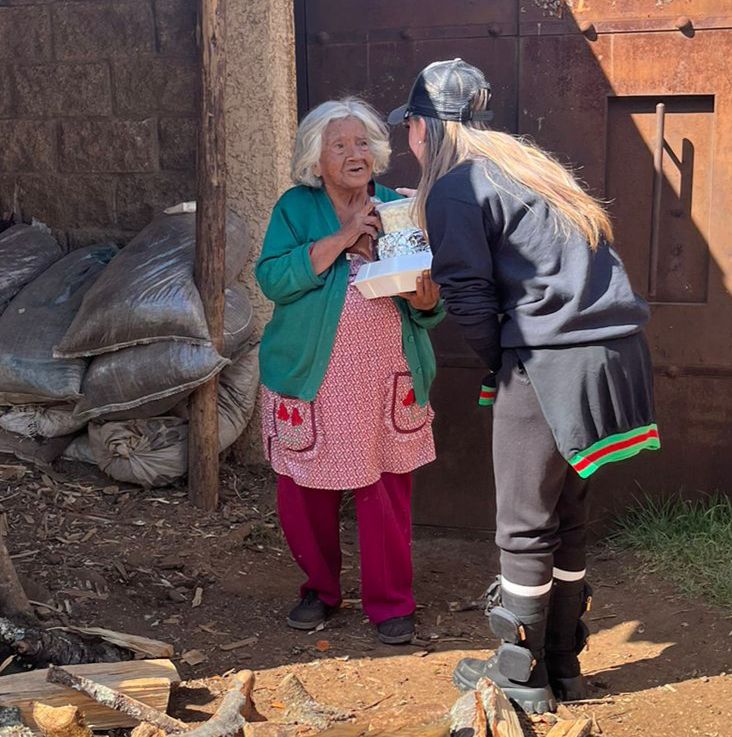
566	637
518	667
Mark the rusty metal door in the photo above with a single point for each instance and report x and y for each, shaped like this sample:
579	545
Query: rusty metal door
585	80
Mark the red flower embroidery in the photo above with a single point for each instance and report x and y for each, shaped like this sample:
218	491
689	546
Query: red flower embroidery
296	419
282	413
410	399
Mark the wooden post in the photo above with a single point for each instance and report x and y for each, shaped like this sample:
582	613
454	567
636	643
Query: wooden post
203	440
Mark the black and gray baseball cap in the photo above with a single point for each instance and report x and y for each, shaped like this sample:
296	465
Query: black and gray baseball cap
445	90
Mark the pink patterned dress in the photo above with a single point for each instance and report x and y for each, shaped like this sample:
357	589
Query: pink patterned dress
365	419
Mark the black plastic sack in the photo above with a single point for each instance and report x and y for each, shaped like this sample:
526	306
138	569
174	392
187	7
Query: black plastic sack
127	379
237	396
33	323
154	451
238	320
44	421
148	294
25	252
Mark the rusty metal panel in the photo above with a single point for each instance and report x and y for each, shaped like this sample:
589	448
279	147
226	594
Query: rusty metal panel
562	100
582	78
548	17
457	490
681	272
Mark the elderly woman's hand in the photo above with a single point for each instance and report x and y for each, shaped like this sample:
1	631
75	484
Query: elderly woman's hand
426	296
363	222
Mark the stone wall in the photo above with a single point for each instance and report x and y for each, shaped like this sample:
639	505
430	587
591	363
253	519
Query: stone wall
97	113
98	118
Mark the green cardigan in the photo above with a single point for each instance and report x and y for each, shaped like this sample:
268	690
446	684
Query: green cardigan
297	342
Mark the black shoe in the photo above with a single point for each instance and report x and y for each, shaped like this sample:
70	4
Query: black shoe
534	697
518	668
397	630
566	637
309	613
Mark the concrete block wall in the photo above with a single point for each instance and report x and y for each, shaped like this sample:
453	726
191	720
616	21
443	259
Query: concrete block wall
98	106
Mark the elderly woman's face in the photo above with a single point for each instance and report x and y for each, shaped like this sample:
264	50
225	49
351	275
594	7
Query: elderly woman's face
346	160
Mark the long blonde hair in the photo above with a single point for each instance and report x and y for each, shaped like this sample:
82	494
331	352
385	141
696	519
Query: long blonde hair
450	143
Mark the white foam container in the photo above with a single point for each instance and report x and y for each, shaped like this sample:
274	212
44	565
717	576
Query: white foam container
392	276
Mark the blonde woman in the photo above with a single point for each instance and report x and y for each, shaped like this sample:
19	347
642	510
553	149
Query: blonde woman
524	262
346	379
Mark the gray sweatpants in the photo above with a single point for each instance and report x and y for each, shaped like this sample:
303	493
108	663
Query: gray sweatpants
542	510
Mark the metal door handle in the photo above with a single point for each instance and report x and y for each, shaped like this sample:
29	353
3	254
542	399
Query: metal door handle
657	192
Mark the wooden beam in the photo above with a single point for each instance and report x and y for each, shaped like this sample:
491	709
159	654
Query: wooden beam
203	442
145	680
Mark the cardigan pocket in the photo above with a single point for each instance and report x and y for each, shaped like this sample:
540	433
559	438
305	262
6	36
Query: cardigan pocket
294	424
405	415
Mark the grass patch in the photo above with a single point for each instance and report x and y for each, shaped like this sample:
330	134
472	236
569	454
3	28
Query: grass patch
688	542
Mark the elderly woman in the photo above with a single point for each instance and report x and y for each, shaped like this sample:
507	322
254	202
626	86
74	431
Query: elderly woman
346	379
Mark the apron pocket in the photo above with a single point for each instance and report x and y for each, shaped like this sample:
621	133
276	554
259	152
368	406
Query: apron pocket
407	415
294	423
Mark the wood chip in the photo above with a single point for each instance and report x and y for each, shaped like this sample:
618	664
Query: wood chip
197	598
204	627
12	472
575	728
143	646
193	657
239	643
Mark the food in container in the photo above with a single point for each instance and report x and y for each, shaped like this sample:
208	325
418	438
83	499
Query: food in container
396	215
401	243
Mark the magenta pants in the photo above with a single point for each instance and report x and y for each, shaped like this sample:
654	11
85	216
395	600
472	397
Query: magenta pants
310	519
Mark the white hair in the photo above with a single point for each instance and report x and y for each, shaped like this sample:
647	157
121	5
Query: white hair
309	138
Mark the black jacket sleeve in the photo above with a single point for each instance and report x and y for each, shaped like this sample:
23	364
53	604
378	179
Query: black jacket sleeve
463	267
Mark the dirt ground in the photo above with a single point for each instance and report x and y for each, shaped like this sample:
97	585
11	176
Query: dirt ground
133	560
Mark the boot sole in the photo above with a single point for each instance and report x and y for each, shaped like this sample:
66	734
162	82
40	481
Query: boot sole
569	689
530	700
304	626
396	639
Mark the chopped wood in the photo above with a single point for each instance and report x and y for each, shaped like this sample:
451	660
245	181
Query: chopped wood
60	721
270	729
574	728
467	716
114	699
231	716
146	680
41	647
302	708
143	729
502	718
144	647
439	729
485	711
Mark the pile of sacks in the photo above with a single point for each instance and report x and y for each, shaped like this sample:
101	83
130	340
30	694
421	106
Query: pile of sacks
101	347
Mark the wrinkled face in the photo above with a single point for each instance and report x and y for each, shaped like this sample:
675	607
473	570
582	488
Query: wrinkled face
346	161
